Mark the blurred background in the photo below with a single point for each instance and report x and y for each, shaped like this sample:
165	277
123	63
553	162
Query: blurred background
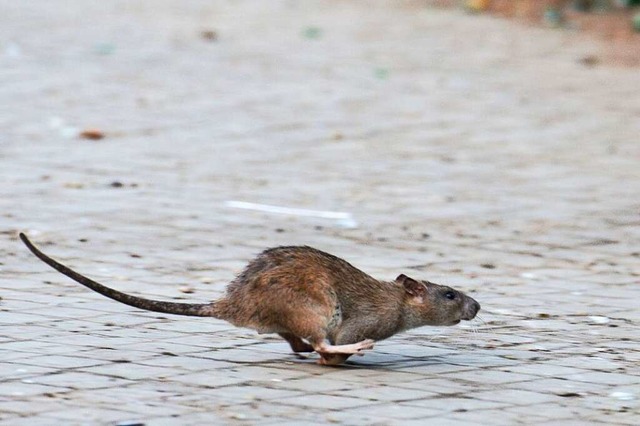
615	21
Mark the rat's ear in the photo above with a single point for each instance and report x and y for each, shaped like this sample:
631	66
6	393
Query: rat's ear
411	286
402	278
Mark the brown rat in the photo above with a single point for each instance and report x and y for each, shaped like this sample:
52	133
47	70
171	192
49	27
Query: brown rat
310	297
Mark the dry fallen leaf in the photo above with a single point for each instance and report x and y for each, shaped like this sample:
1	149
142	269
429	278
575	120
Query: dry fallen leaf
92	134
74	185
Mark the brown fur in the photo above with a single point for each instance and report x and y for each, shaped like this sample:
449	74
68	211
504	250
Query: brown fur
306	295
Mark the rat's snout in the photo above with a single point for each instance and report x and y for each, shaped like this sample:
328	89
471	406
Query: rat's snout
471	309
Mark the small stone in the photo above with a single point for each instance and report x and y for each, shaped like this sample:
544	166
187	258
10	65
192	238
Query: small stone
74	185
599	319
186	289
569	394
238	416
589	61
209	35
622	396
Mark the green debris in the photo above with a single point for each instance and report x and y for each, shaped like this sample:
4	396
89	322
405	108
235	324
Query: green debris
553	17
381	73
636	22
104	48
312	33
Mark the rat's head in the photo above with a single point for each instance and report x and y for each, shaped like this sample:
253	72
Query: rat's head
434	304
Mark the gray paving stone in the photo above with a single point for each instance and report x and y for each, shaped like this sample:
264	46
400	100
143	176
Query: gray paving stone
15	388
332	402
61	361
130	371
498	417
606	377
385	393
215	379
445	386
489	376
517	397
91	415
231	395
191	419
10	370
543	370
241	355
392	412
570	422
455	404
320	384
560	386
31	420
78	380
507	169
186	363
115	354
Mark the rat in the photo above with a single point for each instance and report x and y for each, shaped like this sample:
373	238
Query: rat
315	301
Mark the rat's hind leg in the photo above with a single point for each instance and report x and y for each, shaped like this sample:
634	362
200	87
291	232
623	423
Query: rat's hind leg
296	343
337	354
315	333
312	325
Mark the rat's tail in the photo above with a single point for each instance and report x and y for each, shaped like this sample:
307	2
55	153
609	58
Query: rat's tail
189	309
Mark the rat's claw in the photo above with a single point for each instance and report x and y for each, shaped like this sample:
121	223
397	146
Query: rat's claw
366	344
363	346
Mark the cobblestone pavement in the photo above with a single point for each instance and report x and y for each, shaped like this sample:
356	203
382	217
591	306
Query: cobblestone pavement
469	150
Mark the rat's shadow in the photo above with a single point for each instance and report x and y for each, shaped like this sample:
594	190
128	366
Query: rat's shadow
372	360
384	357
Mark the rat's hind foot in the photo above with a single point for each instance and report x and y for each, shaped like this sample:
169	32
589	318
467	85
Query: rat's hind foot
351	349
296	343
332	359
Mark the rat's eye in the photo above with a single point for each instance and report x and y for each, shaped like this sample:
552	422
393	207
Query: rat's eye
450	295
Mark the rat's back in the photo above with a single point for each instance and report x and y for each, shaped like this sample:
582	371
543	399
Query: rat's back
292	282
302	265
